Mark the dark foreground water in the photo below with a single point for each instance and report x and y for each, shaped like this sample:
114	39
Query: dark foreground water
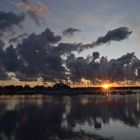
70	118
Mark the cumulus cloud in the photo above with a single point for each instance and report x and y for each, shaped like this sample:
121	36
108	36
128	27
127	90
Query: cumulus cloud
37	57
95	55
49	36
41	55
35	10
118	34
119	69
10	59
10	19
114	35
18	38
1	43
70	31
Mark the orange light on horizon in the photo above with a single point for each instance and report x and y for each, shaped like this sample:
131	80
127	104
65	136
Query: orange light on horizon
105	86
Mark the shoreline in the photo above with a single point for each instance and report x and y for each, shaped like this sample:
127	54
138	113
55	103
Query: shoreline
19	90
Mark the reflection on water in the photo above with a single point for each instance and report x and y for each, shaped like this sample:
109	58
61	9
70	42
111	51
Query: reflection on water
70	118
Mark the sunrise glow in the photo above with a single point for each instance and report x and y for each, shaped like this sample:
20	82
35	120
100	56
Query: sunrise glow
105	86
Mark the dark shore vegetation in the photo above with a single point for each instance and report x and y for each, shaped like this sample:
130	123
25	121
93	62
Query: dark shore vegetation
63	89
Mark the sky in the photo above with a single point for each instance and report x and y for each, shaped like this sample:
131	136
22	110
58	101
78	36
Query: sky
66	38
92	17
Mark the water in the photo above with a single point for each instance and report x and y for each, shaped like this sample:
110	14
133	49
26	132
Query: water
70	118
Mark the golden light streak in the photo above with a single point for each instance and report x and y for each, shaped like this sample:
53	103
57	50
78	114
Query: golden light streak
105	86
38	9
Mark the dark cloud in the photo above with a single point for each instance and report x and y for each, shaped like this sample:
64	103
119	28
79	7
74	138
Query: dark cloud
33	57
40	55
78	67
10	19
18	38
118	34
126	59
114	35
95	55
38	58
1	54
1	44
3	74
49	36
119	69
11	61
67	48
70	31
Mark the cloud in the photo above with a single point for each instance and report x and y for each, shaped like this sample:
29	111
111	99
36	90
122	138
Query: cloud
18	38
70	31
33	57
78	67
36	10
37	57
10	60
49	36
122	68
10	19
95	55
1	44
41	55
118	34
114	35
3	74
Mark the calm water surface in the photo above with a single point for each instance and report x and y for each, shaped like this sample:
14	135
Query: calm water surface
70	118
